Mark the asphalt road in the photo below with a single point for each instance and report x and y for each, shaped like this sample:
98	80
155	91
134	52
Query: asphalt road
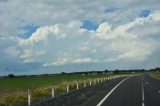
140	90
151	91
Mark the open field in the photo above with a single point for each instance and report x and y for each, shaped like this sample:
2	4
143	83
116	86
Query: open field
22	83
14	90
156	74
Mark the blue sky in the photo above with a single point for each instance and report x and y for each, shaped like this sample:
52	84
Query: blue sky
111	9
55	36
29	30
89	25
145	13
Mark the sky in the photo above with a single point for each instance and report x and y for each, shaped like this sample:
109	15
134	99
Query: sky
54	36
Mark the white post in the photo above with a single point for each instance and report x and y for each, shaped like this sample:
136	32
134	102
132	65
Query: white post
67	89
29	97
84	84
101	80
77	86
98	81
52	92
90	83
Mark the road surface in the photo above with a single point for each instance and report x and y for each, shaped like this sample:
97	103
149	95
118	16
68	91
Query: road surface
140	90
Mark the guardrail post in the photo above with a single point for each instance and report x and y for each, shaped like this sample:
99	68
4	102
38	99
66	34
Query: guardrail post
90	83
77	86
52	92
84	84
29	97
98	81
67	88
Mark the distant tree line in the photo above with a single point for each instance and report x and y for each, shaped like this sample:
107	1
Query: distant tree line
106	71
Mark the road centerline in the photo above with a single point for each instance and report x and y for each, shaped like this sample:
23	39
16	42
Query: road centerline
142	95
101	102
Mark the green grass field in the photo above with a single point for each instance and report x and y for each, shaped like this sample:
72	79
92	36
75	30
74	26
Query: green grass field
21	83
156	74
42	83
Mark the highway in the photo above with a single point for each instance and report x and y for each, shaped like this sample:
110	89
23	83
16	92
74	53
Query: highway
139	90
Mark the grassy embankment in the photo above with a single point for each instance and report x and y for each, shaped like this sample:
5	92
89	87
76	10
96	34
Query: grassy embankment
21	83
156	74
39	85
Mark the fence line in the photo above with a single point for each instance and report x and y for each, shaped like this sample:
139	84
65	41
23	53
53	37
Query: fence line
28	96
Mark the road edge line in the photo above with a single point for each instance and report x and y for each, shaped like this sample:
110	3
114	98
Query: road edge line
101	102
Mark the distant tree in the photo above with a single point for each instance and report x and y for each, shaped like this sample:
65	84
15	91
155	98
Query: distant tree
106	71
116	72
11	76
63	73
142	70
157	69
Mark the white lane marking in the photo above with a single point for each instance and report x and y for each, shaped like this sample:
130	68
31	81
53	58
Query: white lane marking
142	95
158	91
100	103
